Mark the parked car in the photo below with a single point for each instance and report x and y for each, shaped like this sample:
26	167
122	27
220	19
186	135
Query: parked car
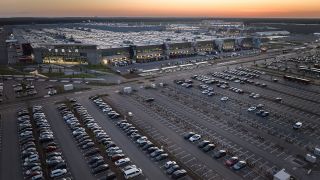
179	174
122	161
219	154
297	125
239	165
231	161
195	137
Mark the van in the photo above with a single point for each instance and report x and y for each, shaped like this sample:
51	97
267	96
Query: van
131	173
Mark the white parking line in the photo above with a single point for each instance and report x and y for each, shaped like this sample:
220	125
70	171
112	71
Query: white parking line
185	156
190	160
257	160
250	156
280	154
288	157
263	164
207	172
199	169
250	172
172	145
257	177
275	149
179	153
213	177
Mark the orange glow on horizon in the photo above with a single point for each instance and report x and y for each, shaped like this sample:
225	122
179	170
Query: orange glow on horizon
167	8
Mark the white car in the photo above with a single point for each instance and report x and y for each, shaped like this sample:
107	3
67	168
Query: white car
58	172
122	161
169	164
252	108
131	173
256	96
195	137
224	98
297	125
143	138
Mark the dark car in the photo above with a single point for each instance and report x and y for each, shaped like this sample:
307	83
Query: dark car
111	175
95	159
92	152
173	169
179	174
208	148
100	168
156	153
147	146
188	135
151	149
149	99
161	157
203	144
220	154
97	163
61	165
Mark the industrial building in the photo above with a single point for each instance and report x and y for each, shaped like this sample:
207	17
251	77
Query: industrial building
94	46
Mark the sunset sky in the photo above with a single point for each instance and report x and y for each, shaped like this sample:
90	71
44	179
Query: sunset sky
161	8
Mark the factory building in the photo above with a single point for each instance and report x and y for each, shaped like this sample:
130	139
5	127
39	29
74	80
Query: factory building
180	50
89	54
229	45
148	53
205	47
115	56
66	54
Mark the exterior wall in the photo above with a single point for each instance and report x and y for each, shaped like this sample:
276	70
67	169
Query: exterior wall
205	47
179	50
70	53
229	45
244	43
134	54
109	56
38	54
149	53
218	44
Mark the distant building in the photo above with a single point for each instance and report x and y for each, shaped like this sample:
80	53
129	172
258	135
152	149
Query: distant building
273	33
72	45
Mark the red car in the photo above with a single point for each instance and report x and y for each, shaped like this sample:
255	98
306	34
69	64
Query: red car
51	148
233	160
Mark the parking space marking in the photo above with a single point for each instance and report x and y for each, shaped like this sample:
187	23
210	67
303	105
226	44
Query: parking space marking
280	154
181	152
250	172
288	157
192	159
187	155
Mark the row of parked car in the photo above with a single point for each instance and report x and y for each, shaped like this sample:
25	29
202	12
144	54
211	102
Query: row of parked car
210	80
156	153
23	90
184	83
31	165
80	130
55	162
37	141
207	146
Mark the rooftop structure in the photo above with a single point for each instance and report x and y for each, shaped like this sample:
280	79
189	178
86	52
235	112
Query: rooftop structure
102	38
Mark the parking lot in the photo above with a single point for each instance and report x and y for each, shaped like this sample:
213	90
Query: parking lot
230	120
